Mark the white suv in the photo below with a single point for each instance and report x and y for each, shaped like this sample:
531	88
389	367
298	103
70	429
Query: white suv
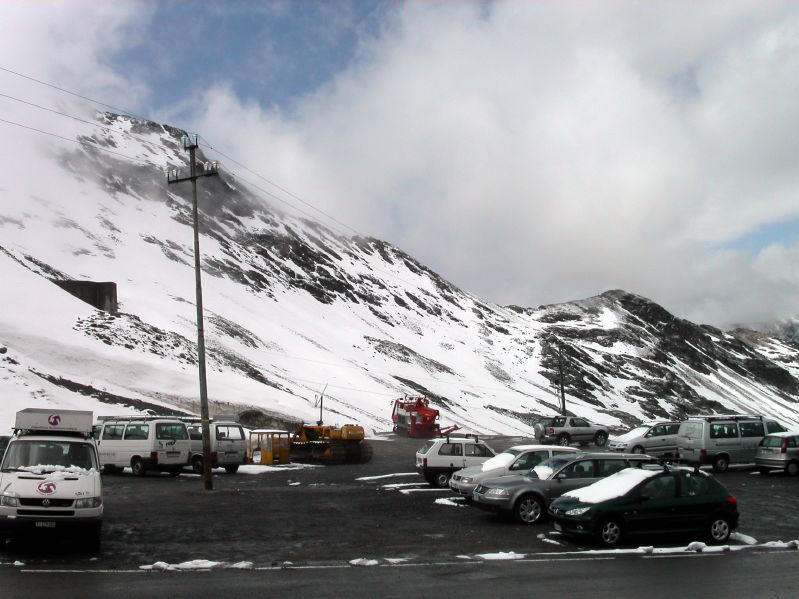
439	458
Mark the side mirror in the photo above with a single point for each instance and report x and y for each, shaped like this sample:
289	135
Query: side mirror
560	476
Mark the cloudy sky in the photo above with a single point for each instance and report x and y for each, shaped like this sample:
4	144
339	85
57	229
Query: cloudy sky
529	152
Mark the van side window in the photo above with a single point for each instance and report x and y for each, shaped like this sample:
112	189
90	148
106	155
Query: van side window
195	433
559	421
752	429
672	429
722	430
168	430
113	431
579	422
137	431
229	432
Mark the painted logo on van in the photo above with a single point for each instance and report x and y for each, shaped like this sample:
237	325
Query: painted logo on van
46	488
54	420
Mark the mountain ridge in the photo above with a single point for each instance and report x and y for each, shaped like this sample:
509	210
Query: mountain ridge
293	307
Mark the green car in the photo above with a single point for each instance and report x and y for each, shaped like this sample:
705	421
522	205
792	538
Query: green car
647	501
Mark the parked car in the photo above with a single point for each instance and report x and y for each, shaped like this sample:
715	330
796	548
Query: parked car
656	438
565	430
722	440
437	459
647	501
778	451
515	460
527	496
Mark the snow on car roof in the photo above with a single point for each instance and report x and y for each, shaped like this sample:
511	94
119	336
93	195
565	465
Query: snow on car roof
613	486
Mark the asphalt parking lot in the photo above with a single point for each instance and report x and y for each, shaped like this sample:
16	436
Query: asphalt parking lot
329	514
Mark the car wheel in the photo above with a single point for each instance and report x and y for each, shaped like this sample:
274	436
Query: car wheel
528	509
197	465
638	449
441	479
563	439
792	468
138	467
719	530
610	532
232	468
600	439
721	463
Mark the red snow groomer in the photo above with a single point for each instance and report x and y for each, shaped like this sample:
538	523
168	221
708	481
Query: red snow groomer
414	417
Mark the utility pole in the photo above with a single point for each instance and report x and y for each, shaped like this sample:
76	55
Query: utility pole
209	170
561	390
560	376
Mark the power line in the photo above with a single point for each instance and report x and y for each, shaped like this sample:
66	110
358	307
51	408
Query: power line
80	120
83	141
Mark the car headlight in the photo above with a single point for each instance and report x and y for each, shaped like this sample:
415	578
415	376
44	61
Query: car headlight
86	502
578	511
497	493
8	501
466	480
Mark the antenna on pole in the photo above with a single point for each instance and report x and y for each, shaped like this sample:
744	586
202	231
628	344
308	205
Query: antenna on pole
320	400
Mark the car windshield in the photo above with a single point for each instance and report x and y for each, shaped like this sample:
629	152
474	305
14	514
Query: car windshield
547	468
638	431
500	460
45	456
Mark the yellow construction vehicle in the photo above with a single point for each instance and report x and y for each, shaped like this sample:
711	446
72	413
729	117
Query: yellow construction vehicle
268	446
325	444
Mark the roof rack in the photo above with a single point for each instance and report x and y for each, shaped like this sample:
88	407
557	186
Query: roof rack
736	417
137	418
462	436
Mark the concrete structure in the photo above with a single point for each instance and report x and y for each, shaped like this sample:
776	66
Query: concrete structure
102	296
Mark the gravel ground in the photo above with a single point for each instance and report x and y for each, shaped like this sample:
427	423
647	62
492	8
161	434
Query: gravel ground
314	515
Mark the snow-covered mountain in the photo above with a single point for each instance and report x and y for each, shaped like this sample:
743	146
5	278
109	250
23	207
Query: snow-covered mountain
293	308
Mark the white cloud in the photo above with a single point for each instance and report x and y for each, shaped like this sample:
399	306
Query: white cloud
529	152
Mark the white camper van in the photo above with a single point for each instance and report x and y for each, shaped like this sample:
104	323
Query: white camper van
143	443
50	476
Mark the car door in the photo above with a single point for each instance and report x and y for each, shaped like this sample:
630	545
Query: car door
451	455
475	454
697	501
652	507
751	434
572	476
725	438
655	440
581	430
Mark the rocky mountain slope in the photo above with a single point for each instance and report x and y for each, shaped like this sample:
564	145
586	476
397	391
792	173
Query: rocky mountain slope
293	308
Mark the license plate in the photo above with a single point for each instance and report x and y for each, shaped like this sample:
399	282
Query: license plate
172	454
45	525
557	526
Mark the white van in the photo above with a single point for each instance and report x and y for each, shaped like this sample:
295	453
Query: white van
228	445
722	440
143	443
50	476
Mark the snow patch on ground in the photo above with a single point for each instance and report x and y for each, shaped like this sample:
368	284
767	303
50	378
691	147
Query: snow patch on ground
451	502
398	485
388	476
434	490
501	555
259	469
362	561
742	538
